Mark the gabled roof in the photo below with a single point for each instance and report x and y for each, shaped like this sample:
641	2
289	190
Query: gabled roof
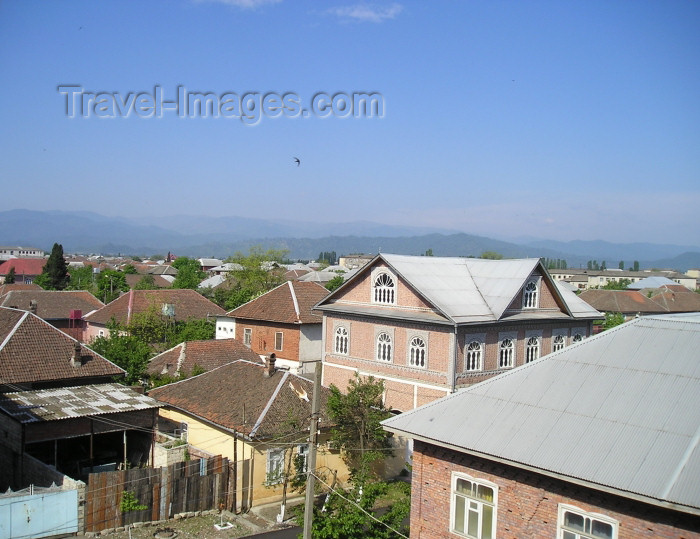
132	279
32	350
675	301
237	397
206	354
470	290
5	288
620	301
23	266
69	402
650	282
189	304
52	304
619	411
289	303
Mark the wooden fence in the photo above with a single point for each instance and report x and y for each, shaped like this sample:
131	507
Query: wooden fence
196	485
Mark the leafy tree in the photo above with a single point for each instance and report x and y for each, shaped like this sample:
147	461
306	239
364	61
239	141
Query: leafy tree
335	282
491	255
136	259
620	284
127	351
189	273
328	257
635	265
147	282
110	284
10	276
129	269
603	265
612	320
429	252
621	265
82	279
54	276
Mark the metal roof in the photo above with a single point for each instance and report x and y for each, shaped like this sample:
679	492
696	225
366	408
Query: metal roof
620	410
69	402
651	282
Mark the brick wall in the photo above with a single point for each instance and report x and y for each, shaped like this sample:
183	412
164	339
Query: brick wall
528	502
263	338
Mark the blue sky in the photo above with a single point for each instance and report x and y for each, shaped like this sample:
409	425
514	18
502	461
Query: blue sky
563	120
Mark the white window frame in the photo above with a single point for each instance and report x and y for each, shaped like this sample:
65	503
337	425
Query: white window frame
531	298
558	342
384	348
418	352
303	451
248	336
510	353
384	294
274	466
565	532
473	506
532	348
279	334
469	356
341	341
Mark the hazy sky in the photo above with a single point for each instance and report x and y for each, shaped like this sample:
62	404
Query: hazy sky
563	119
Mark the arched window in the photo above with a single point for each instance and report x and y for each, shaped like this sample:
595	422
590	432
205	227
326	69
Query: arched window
557	343
417	353
577	338
530	295
383	347
384	289
506	353
532	349
473	356
341	341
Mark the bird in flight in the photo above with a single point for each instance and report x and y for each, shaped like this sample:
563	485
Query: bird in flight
296	160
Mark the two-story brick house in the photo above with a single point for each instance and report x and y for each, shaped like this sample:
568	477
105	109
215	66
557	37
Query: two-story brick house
427	326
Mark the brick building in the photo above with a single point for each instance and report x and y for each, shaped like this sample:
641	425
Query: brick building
427	326
602	443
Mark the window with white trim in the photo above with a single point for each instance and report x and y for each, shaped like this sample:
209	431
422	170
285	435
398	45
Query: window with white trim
417	353
275	466
279	339
473	356
532	349
473	507
530	299
574	523
247	336
578	337
341	341
383	347
384	289
506	353
558	342
301	462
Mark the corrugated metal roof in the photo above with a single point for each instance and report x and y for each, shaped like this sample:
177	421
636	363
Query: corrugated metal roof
621	410
67	402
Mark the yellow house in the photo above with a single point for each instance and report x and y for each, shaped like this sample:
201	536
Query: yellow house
257	416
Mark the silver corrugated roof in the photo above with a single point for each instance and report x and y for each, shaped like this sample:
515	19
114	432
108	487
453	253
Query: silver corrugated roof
620	410
67	402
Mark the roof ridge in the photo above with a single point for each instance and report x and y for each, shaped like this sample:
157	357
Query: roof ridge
269	404
294	300
22	318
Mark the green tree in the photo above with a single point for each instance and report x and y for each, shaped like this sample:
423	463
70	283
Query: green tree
635	265
147	282
129	269
126	351
189	273
621	265
110	285
620	284
54	276
491	255
335	282
10	276
612	320
82	279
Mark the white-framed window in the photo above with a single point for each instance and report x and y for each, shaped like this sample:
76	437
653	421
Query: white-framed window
530	295
473	507
383	347
558	342
101	333
279	339
275	466
473	356
417	353
342	338
506	353
247	336
532	349
577	337
384	289
302	456
574	523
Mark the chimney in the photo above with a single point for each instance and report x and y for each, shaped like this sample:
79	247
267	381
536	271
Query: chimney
32	306
76	359
269	369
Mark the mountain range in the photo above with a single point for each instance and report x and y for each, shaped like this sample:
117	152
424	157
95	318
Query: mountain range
220	237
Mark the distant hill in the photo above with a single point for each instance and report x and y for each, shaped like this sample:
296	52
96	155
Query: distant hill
87	232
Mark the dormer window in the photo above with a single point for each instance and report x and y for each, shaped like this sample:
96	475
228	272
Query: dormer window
530	299
384	289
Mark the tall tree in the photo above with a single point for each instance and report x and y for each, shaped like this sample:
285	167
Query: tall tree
110	285
635	266
54	276
128	352
10	276
189	273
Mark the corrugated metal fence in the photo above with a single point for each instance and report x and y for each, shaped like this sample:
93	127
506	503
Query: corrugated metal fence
43	512
196	485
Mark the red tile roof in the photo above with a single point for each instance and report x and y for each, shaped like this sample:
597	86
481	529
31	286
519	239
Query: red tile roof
132	279
5	288
32	351
620	301
189	305
289	303
206	354
52	304
23	266
238	397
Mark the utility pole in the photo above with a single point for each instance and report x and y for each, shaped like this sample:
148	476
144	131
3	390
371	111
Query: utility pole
311	463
